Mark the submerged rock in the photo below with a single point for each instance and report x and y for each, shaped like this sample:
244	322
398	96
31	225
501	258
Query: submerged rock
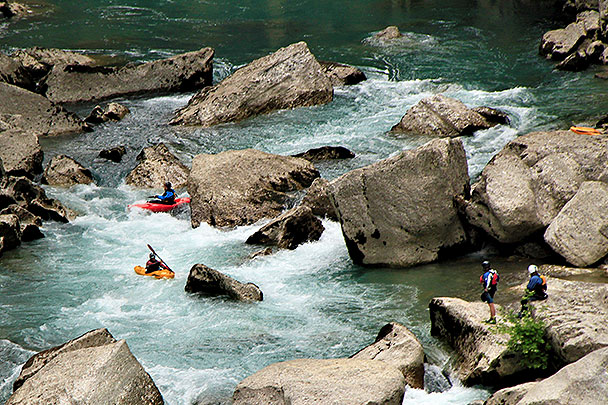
390	32
400	211
241	187
64	171
78	83
21	153
205	280
289	78
156	166
399	347
342	75
112	112
289	230
326	153
335	381
114	154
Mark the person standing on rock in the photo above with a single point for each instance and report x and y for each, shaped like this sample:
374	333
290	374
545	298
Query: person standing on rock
168	197
535	291
489	281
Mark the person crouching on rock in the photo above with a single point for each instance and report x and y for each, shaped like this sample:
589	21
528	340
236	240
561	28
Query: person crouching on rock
489	281
154	264
535	291
168	197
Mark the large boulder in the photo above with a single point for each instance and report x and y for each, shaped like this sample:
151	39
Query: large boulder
289	230
400	211
241	187
399	347
97	372
576	315
525	186
10	232
335	381
318	200
442	116
30	112
578	232
207	281
80	83
12	72
64	171
560	43
30	223
583	382
342	75
482	356
21	153
39	61
156	166
289	78
33	198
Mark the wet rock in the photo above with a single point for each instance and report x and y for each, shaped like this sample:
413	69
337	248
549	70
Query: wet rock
578	232
264	252
390	32
156	166
318	200
30	112
326	153
483	356
21	153
30	223
575	62
583	382
112	112
342	75
64	171
399	347
94	374
10	232
385	223
34	199
307	382
207	281
241	187
289	230
6	200
10	9
114	154
39	61
78	83
289	78
492	115
560	43
12	72
441	116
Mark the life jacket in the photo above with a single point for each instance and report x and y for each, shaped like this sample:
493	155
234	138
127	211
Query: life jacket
543	286
495	277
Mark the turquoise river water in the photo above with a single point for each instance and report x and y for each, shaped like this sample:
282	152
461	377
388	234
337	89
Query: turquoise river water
317	303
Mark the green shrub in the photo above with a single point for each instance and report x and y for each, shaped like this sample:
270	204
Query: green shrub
527	338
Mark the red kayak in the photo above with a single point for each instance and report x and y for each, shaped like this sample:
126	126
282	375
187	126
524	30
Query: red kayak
155	207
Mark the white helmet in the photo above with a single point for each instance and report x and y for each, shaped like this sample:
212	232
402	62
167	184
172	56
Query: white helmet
532	269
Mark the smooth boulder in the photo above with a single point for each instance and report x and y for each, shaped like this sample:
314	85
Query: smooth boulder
289	78
399	347
21	153
441	116
400	211
333	381
342	75
289	230
240	187
64	171
156	166
80	83
207	281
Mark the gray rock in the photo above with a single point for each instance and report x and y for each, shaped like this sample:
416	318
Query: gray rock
558	44
289	78
335	381
318	200
385	223
241	187
482	353
441	116
342	75
114	154
64	171
399	347
112	112
583	382
104	374
10	9
289	230
21	153
207	281
156	166
78	83
10	232
12	72
390	32
30	112
39	61
326	153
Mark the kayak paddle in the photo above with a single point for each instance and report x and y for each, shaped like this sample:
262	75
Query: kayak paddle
161	260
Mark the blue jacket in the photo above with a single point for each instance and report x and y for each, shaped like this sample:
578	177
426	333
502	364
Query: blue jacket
489	279
168	195
536	285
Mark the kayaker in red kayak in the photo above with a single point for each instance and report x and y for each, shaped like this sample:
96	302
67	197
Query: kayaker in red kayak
154	264
168	197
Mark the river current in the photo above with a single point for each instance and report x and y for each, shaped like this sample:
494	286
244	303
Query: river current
317	304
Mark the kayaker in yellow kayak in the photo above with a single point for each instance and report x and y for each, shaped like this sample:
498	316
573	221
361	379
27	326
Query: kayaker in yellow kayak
154	264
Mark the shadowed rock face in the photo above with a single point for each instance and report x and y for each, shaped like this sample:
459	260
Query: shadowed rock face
241	187
289	78
64	171
307	382
326	153
318	199
80	83
342	75
21	153
207	281
400	211
156	166
13	72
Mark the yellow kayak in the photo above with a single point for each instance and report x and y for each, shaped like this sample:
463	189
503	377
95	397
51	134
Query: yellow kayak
586	131
163	273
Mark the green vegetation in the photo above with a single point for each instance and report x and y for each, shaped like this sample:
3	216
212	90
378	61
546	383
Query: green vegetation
527	338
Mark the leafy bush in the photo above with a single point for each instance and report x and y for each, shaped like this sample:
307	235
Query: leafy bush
527	338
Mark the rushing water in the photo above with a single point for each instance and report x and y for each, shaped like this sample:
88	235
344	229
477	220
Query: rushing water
317	303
